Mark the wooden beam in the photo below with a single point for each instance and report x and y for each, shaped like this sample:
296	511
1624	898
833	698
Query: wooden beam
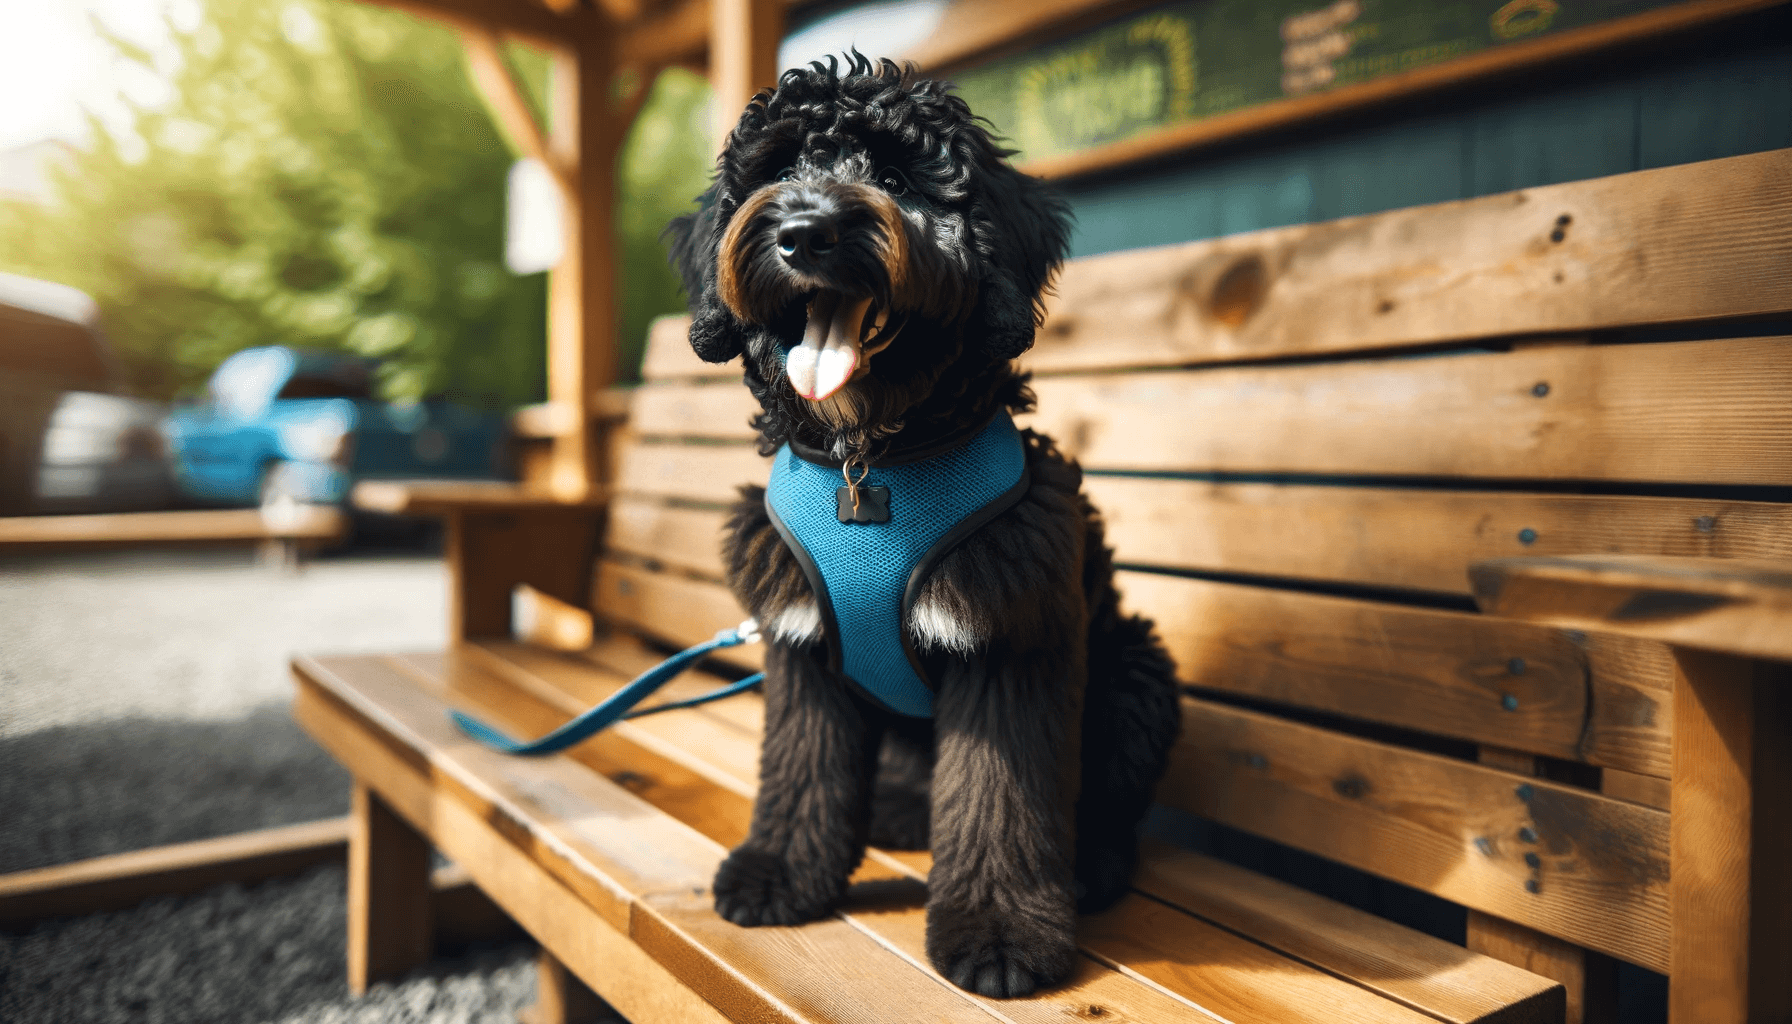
496	81
525	20
1732	605
123	880
1731	840
491	551
743	55
582	316
197	527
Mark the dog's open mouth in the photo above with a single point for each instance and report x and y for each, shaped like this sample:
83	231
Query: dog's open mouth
834	350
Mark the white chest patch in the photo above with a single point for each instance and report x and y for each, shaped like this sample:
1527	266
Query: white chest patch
933	627
798	624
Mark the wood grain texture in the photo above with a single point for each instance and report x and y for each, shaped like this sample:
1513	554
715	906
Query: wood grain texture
1740	606
1228	975
596	950
675	609
389	926
188	527
1449	827
489	553
709	410
1587	42
691	472
1683	243
1417	538
1441	672
1732	898
674	535
1638	789
1692	412
126	879
1589	979
743	56
561	998
1442	979
765	974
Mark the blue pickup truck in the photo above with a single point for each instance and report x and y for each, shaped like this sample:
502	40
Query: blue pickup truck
282	425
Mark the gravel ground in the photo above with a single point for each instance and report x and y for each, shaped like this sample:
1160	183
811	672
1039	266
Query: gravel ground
143	700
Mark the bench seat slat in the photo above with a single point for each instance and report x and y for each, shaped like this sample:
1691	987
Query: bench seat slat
1438	977
636	866
817	972
1684	412
878	906
1445	826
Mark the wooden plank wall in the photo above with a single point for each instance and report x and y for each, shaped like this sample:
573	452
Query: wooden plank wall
1297	508
1704	97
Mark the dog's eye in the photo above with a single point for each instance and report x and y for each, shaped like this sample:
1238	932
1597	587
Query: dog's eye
787	174
891	180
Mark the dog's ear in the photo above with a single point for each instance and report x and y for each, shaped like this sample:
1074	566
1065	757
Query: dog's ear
1021	228
693	239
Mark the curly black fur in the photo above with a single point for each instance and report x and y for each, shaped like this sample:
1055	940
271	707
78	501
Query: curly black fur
1054	712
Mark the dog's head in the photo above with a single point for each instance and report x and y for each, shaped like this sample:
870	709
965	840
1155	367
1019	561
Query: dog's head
865	238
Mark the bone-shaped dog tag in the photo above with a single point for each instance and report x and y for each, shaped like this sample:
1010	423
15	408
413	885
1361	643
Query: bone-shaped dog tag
872	506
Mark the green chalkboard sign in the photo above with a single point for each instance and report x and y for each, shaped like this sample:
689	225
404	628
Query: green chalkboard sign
1199	58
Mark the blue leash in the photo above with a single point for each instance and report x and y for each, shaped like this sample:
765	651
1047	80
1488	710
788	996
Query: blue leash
617	705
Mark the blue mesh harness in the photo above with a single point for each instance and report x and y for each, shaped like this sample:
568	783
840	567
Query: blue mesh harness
866	559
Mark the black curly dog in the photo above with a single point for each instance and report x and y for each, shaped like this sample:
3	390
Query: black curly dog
868	217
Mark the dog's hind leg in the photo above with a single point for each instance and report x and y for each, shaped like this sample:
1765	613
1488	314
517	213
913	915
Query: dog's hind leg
1001	919
1130	720
900	807
814	803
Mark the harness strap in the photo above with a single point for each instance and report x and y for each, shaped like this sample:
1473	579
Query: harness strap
618	704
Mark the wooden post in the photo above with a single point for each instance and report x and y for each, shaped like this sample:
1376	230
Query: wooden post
1731	840
561	998
489	553
390	929
743	55
582	293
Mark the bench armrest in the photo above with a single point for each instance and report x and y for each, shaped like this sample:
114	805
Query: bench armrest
1737	606
444	497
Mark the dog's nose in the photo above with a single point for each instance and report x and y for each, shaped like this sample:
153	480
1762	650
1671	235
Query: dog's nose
807	237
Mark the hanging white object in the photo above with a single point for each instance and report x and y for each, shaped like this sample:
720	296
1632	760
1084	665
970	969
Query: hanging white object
533	241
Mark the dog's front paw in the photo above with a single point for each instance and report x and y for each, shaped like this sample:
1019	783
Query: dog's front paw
754	887
1002	955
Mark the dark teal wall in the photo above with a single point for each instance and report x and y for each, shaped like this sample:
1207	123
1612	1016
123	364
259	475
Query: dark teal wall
1719	96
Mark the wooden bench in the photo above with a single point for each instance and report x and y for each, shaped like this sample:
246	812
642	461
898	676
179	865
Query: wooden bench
1302	440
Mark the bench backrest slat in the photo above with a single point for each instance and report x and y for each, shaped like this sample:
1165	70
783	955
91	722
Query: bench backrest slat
1700	241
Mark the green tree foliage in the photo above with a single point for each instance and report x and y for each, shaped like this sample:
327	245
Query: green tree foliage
325	176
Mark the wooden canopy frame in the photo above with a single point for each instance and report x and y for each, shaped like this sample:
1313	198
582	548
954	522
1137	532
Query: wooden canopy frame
605	55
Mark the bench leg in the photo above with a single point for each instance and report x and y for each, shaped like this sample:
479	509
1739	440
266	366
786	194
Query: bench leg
390	929
1731	841
561	998
1590	978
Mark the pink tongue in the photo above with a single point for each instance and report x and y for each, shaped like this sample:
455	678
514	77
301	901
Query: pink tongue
829	354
